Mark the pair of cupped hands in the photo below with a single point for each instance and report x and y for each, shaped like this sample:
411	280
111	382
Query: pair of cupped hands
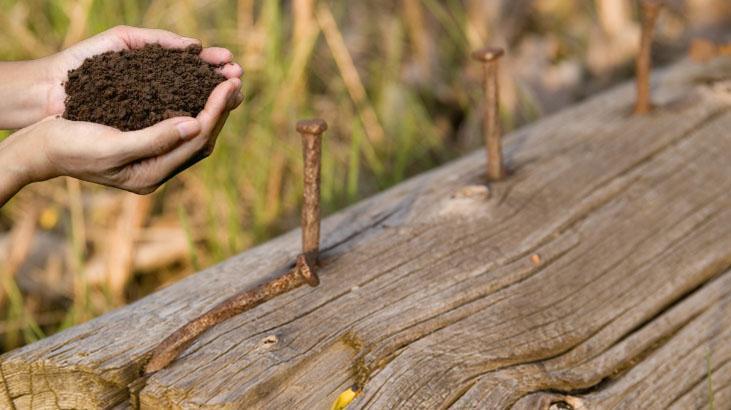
47	146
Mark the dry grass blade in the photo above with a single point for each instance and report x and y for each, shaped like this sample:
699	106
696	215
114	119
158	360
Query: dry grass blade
420	41
78	14
159	248
303	13
349	73
15	22
614	16
245	17
304	40
120	254
78	251
19	244
274	187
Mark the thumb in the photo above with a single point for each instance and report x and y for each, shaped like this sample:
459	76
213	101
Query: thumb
160	138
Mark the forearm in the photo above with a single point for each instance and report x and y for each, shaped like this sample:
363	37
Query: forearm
12	174
24	88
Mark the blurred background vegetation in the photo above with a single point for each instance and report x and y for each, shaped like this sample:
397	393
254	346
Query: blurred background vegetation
392	78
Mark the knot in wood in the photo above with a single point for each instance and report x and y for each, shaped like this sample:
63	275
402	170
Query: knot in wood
472	191
561	405
270	340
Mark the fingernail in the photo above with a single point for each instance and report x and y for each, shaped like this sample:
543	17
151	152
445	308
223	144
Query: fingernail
230	100
188	129
239	69
232	95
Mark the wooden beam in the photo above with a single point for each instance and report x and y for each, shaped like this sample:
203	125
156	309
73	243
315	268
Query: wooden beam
600	265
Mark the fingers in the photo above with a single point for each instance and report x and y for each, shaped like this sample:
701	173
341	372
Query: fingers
222	56
231	70
156	153
146	175
136	37
214	114
235	98
238	99
73	148
221	99
216	55
166	166
156	140
213	137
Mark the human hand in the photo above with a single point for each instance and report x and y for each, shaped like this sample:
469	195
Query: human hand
33	90
124	38
136	161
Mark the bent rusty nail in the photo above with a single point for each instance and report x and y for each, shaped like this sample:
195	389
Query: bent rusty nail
303	272
650	11
173	345
489	57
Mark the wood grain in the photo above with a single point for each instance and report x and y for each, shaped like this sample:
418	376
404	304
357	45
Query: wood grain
432	295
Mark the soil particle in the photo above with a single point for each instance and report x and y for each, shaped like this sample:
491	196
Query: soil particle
134	89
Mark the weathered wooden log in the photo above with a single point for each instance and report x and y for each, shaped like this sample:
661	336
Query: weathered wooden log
597	274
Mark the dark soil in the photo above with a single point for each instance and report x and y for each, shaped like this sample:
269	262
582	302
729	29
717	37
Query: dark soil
134	89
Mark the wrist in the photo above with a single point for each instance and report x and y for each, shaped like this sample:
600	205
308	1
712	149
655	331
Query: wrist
12	175
24	93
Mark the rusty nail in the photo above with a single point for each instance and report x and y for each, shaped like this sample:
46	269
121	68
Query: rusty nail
650	11
311	131
303	272
489	57
170	348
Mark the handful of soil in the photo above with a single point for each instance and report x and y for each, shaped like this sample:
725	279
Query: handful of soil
134	89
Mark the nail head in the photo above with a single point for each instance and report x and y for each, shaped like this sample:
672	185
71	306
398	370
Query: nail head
314	126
